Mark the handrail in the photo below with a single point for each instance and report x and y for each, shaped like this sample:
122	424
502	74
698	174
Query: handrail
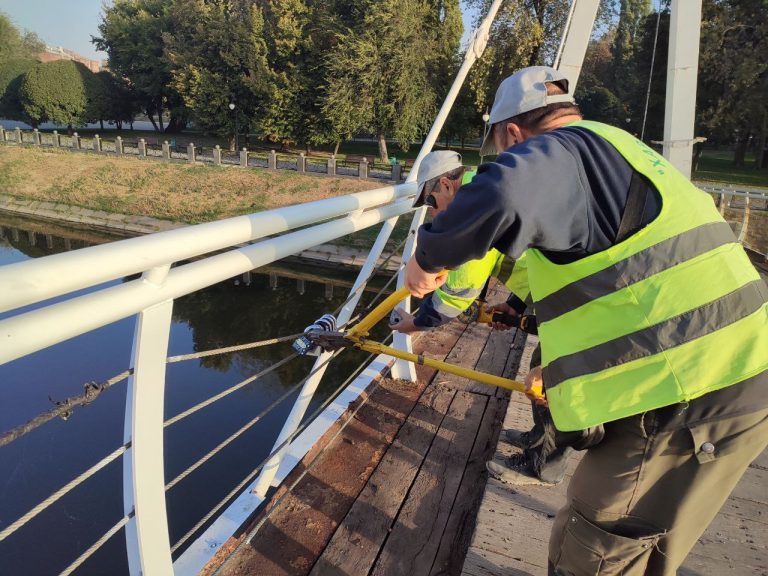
31	281
38	329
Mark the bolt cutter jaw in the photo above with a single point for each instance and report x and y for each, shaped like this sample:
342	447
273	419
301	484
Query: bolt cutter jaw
329	341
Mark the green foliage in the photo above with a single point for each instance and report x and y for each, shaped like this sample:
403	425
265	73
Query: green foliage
131	33
378	77
15	45
524	34
232	30
57	92
734	73
110	99
11	75
288	113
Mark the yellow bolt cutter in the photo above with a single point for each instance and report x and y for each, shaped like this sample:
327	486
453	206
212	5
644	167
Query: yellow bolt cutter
357	337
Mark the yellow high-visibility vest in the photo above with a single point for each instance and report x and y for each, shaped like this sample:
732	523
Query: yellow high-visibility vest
671	313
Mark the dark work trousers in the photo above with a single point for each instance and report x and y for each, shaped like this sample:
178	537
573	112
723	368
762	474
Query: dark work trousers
640	499
549	448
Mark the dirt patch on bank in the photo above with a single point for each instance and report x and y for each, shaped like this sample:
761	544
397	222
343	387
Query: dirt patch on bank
170	191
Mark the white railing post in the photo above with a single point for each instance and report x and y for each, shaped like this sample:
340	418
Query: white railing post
147	540
682	73
402	369
264	481
580	22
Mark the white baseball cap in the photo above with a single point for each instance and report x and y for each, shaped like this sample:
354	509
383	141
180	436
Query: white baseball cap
433	165
522	92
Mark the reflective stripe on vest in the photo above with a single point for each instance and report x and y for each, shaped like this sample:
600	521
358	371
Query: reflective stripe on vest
673	312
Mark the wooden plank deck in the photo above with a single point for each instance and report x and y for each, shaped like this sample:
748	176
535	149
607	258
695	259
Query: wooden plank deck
514	522
397	489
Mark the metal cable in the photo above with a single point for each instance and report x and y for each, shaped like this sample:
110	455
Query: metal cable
277	449
239	432
650	74
62	491
93	390
228	391
566	28
250	477
238	348
63	408
96	545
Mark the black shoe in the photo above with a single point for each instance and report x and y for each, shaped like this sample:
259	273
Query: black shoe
517	469
520	439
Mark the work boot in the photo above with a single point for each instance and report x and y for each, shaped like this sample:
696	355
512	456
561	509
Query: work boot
517	438
517	469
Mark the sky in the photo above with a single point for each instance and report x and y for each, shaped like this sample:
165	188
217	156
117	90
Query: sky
71	23
66	23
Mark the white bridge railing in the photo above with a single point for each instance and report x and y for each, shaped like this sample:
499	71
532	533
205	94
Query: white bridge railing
150	298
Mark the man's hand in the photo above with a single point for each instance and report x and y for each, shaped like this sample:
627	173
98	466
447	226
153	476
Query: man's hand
507	309
534	387
421	283
405	325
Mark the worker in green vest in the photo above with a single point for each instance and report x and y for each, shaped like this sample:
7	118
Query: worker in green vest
441	174
652	321
545	450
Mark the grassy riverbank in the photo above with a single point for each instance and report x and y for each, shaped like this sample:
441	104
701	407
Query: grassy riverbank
170	191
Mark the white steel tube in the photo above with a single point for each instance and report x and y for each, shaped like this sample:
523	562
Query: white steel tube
476	47
147	539
577	40
31	281
304	398
682	73
401	369
32	331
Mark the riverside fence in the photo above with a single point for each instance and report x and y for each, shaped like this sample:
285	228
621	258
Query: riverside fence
351	166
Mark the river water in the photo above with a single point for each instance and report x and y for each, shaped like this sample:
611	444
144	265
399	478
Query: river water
237	311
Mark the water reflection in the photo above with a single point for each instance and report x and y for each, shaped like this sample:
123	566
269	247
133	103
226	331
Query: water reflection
262	304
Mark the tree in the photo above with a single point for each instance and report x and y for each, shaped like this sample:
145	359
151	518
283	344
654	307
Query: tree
15	45
378	78
12	73
110	99
17	56
56	92
632	15
524	33
219	57
734	74
287	114
132	36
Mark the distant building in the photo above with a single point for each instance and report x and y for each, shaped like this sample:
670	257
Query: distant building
52	53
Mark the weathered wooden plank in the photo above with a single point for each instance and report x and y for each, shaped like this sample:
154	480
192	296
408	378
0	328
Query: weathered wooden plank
486	563
461	522
753	486
413	543
746	509
302	522
696	565
356	543
466	353
761	461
